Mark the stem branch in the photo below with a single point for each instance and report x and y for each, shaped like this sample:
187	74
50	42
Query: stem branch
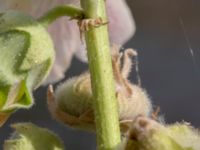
59	11
105	103
98	47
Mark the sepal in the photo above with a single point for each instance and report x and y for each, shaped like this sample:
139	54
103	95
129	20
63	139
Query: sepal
31	137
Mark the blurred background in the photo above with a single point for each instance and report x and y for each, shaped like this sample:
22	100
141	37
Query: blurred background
166	32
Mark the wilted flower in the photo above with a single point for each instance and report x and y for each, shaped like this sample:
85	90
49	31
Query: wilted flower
66	34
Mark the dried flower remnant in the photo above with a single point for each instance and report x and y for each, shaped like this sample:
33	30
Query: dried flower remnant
85	24
72	102
66	34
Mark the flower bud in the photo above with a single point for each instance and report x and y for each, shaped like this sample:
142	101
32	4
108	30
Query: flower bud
147	134
72	102
26	57
30	137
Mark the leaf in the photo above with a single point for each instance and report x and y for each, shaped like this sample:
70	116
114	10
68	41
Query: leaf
36	47
13	90
27	55
30	137
13	47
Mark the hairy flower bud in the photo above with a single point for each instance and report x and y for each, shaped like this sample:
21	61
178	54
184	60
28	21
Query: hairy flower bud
72	102
147	134
27	55
30	137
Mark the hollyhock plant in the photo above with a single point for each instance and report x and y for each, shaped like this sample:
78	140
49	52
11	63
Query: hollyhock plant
28	53
65	32
102	100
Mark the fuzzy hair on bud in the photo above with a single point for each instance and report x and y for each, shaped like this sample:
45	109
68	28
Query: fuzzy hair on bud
72	102
28	136
147	134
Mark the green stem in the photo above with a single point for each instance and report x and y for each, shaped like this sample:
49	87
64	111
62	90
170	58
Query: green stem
105	103
59	11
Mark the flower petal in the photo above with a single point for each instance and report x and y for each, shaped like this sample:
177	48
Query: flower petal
67	40
121	23
65	33
23	5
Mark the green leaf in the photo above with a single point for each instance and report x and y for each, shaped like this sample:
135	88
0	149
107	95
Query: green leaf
30	137
13	47
27	55
34	43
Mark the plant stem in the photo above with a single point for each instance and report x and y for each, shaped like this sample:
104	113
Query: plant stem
105	103
59	11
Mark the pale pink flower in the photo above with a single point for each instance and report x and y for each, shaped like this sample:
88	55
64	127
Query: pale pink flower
66	34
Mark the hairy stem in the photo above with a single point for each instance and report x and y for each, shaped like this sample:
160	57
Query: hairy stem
105	104
59	11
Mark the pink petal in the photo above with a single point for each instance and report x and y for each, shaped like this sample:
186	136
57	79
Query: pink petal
121	23
65	33
15	4
67	38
